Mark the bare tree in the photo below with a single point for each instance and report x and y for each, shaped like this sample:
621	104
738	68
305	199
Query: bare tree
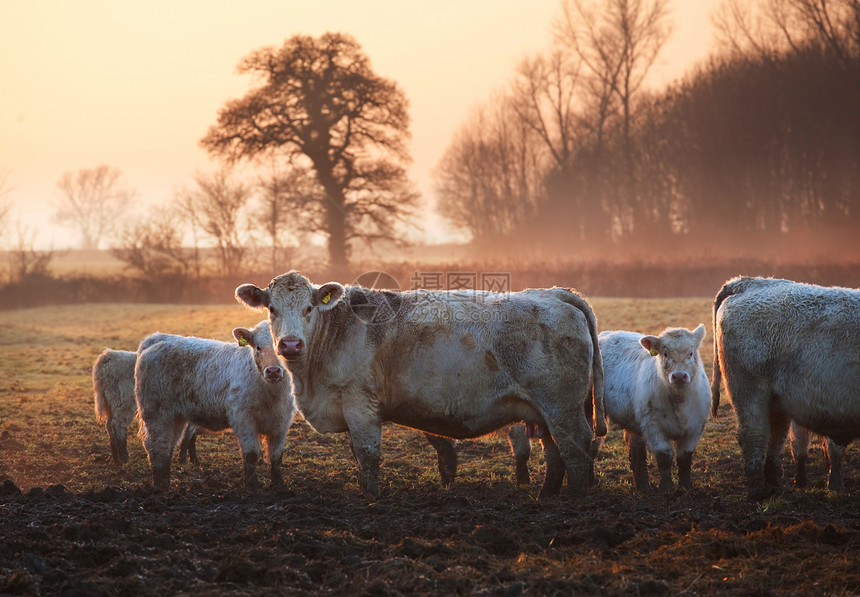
92	203
5	203
322	107
766	28
545	96
289	201
216	207
25	261
154	246
618	41
490	172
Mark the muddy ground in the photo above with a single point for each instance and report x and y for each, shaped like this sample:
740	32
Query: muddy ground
484	535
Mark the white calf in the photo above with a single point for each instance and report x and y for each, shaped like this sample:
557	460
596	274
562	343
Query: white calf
656	390
215	385
113	395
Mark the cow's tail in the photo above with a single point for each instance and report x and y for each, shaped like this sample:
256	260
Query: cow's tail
102	407
598	412
733	286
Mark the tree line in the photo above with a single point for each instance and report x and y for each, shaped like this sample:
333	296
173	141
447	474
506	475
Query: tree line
755	149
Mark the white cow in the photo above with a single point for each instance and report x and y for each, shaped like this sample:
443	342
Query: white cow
657	392
215	385
456	364
788	351
113	397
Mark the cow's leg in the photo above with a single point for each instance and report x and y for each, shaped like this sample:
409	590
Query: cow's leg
446	456
275	443
752	407
596	444
183	447
779	424
572	434
799	445
835	454
191	444
249	442
554	467
121	431
114	441
638	457
521	447
188	446
365	433
160	437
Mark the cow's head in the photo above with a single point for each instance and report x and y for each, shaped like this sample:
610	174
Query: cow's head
259	341
294	305
677	350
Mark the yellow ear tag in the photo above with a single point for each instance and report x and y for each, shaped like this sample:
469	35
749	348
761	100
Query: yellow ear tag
326	298
653	352
242	341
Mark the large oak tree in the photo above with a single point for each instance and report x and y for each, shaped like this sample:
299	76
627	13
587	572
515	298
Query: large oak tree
319	104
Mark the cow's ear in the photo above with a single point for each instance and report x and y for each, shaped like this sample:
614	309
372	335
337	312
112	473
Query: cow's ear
253	297
699	333
243	336
650	343
328	295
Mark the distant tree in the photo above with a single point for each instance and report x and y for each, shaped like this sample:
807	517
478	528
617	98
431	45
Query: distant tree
5	203
217	207
490	173
766	28
321	106
289	201
546	97
618	41
25	261
154	248
92	202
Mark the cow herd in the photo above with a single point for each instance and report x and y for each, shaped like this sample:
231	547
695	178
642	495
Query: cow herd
462	364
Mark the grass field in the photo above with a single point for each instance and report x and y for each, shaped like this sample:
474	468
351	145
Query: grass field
99	529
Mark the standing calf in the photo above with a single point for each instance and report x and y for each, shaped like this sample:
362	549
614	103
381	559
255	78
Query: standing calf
113	394
656	390
215	385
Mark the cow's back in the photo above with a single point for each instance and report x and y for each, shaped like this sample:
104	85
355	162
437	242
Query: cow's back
801	343
198	378
453	359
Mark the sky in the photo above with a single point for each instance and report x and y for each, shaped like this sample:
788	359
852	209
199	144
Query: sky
136	85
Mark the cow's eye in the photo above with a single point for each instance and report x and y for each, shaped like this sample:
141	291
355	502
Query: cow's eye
273	312
308	310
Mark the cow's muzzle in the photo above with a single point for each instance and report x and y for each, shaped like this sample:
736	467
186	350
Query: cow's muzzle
291	347
679	378
273	374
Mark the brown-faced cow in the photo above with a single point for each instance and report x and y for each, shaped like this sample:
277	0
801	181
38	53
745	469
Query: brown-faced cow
455	364
788	351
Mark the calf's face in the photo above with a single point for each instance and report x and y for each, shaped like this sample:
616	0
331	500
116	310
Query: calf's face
294	305
259	340
677	350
